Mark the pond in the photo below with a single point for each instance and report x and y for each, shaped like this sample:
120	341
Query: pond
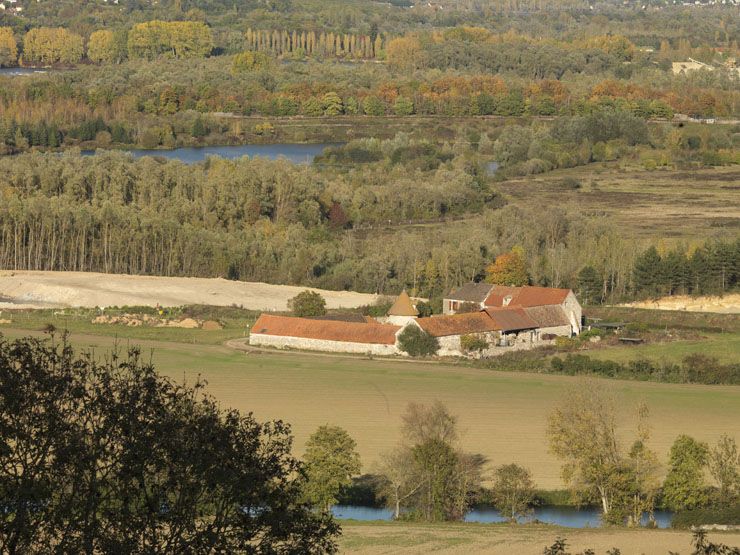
570	517
18	71
296	153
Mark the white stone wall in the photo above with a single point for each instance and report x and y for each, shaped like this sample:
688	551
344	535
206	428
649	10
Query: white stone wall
565	331
260	339
398	320
573	310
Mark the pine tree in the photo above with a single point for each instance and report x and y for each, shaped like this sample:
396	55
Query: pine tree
646	271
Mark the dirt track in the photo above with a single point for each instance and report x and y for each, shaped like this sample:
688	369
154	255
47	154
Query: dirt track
23	289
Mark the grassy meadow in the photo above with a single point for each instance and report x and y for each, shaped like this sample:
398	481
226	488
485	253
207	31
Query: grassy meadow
502	415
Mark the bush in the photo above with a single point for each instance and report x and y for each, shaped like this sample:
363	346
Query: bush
472	343
307	304
416	342
709	515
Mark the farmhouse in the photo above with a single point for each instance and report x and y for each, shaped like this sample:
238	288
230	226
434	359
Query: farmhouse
555	311
498	319
324	335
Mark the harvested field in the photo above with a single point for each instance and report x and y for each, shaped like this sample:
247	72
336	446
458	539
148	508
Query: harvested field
667	204
454	539
26	289
502	415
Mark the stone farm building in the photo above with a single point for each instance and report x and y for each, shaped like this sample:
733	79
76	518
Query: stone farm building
506	318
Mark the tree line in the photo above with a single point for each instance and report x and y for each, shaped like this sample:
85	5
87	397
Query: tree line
282	42
148	40
258	220
428	477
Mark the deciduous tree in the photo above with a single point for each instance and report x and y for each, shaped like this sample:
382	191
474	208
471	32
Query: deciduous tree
331	461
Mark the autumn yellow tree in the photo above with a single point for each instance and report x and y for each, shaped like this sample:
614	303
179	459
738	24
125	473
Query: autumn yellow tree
101	47
405	53
177	39
509	269
52	45
8	47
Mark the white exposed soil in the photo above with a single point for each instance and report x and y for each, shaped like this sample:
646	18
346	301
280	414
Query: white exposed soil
728	304
25	289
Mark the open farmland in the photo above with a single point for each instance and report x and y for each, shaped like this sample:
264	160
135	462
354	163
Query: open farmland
502	415
667	204
451	538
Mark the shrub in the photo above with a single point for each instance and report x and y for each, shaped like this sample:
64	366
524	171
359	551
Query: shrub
472	343
709	515
307	304
416	342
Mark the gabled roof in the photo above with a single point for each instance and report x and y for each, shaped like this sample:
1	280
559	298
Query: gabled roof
403	306
457	324
352	332
548	316
499	293
539	296
341	317
511	319
471	292
526	296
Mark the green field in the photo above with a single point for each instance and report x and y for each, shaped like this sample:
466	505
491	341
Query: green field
725	347
502	415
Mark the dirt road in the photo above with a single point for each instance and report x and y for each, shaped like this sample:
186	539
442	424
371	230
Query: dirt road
24	289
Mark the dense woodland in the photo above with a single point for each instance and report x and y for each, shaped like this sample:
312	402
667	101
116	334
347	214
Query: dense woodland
268	221
571	84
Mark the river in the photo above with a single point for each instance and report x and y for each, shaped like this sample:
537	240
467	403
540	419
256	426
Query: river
570	517
298	153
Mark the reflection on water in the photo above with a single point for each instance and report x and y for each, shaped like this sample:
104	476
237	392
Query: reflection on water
297	153
570	517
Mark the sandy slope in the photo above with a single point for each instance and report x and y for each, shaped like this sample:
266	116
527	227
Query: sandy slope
729	304
67	289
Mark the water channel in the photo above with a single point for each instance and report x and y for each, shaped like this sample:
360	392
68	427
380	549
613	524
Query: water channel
570	517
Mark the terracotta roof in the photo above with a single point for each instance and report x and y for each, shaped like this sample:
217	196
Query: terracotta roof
471	292
526	296
511	319
341	317
353	332
539	296
457	324
403	306
499	293
548	316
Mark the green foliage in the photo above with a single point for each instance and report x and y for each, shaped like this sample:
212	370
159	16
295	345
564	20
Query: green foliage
331	461
164	453
724	466
473	343
706	516
513	491
416	342
684	486
177	39
307	304
696	368
251	61
590	286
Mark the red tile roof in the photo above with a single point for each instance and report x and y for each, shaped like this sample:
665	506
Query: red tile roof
511	319
526	296
352	332
498	294
457	324
548	316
